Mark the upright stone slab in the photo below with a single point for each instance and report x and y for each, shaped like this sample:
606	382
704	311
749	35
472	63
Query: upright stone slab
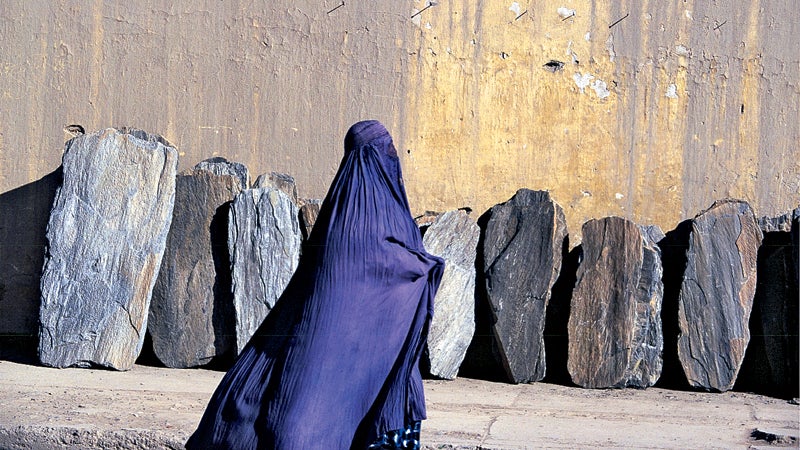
454	237
615	336
771	362
106	237
522	251
308	215
264	244
280	181
221	166
716	295
191	315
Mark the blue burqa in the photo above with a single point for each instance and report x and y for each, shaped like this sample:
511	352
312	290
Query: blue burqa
335	363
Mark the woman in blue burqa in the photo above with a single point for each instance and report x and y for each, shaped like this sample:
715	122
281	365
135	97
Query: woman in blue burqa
335	363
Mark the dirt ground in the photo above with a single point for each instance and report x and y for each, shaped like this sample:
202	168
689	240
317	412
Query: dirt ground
150	407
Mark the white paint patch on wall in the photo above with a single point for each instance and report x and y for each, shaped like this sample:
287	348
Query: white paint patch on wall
584	80
672	91
564	12
600	88
514	8
681	50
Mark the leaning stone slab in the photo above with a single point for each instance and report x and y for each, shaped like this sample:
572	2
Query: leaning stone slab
106	237
716	296
615	335
191	315
454	237
264	243
771	363
308	216
522	253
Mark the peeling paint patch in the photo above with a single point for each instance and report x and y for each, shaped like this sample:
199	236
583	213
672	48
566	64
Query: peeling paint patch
515	8
571	53
588	36
600	88
582	80
680	50
612	55
565	13
672	91
619	196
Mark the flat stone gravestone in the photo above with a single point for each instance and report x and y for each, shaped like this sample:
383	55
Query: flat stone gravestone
107	232
522	251
264	243
454	237
615	335
716	296
191	315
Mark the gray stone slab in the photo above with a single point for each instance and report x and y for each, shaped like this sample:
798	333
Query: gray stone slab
221	166
308	216
281	181
771	363
615	334
522	252
264	243
454	237
106	238
191	315
716	296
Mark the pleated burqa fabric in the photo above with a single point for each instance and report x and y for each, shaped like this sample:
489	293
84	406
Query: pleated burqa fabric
335	363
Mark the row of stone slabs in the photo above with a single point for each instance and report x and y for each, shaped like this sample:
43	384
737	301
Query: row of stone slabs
198	259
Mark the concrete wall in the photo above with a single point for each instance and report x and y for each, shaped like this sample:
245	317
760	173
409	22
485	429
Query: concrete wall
659	109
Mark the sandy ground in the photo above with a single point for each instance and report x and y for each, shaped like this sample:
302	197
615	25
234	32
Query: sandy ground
149	407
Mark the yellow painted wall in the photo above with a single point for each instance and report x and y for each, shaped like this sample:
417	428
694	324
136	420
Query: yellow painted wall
675	105
660	107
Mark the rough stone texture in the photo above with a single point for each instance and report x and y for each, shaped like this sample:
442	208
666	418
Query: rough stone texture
522	252
264	244
425	220
729	124
281	181
308	215
221	166
771	362
716	295
454	237
191	315
106	239
615	337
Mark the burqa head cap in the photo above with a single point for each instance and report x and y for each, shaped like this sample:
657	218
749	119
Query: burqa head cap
367	132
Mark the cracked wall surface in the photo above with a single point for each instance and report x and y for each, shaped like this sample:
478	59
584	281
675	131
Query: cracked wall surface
655	111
